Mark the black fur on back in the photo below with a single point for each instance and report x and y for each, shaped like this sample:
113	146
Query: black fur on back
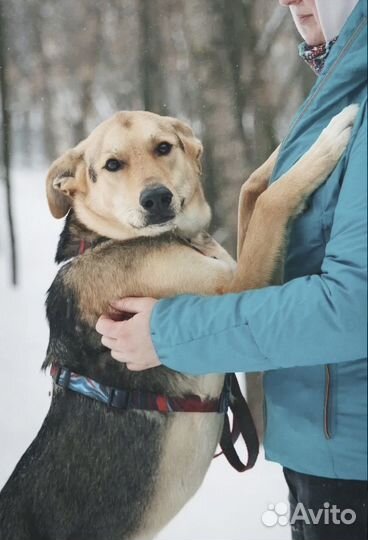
69	242
85	476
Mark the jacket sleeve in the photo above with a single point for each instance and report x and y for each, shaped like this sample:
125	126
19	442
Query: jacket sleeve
310	320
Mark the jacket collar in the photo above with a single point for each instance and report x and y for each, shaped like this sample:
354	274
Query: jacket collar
315	55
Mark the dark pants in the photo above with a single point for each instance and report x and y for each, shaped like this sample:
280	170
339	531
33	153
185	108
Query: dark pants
334	504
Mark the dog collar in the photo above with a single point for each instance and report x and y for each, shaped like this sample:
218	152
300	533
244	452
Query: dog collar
230	397
136	399
86	244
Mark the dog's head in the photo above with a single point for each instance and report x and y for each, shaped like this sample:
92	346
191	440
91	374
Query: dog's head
137	174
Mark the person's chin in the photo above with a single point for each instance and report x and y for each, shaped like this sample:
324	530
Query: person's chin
311	37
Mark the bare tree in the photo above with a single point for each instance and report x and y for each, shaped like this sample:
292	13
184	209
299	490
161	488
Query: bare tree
222	134
89	46
223	66
151	57
44	77
6	138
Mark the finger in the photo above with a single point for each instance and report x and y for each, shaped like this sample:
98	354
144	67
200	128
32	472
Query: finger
140	367
131	304
117	355
133	367
110	343
136	367
108	327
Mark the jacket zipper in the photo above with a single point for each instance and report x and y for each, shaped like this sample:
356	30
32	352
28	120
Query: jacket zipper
326	408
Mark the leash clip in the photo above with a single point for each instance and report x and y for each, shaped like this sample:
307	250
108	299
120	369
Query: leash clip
225	397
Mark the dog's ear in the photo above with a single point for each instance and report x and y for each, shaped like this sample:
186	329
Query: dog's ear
66	176
191	145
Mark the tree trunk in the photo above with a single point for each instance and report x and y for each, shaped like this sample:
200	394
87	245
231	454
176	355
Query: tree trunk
45	81
222	133
6	140
90	45
239	34
151	58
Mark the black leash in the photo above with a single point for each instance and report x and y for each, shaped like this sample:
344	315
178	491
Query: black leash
242	425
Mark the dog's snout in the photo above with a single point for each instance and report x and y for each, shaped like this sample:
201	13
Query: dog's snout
156	200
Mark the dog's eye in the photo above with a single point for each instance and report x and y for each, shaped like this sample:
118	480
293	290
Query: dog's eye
163	149
113	165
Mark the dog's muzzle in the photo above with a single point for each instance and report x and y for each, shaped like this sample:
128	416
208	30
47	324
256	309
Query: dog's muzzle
156	201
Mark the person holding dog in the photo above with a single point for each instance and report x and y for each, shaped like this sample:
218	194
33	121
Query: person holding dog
308	335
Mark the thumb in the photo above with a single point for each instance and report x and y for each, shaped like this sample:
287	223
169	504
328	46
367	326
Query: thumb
130	304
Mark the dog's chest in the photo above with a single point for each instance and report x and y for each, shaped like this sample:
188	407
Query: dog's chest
187	450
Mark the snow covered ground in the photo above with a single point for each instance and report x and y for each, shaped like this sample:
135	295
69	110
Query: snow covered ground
229	505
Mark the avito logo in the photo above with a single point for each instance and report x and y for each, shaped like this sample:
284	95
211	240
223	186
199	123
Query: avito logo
278	514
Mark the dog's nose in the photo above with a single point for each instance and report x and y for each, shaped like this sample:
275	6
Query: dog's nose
156	200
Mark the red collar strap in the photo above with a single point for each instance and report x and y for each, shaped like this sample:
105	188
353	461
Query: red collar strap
85	244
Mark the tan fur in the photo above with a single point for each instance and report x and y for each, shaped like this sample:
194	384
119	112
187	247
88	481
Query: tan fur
166	265
185	453
115	271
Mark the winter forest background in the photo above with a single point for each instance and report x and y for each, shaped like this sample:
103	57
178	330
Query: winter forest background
230	68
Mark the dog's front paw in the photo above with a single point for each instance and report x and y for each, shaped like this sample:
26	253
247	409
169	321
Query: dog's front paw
209	247
335	137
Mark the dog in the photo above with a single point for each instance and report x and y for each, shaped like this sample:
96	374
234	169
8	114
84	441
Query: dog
135	226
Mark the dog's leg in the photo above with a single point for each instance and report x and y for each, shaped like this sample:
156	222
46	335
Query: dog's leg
262	252
251	189
263	232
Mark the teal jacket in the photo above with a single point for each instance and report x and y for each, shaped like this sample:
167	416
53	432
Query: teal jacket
308	335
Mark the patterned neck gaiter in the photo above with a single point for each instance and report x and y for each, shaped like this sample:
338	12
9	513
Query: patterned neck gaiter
315	55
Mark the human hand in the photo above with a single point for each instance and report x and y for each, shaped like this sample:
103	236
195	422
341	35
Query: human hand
130	340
